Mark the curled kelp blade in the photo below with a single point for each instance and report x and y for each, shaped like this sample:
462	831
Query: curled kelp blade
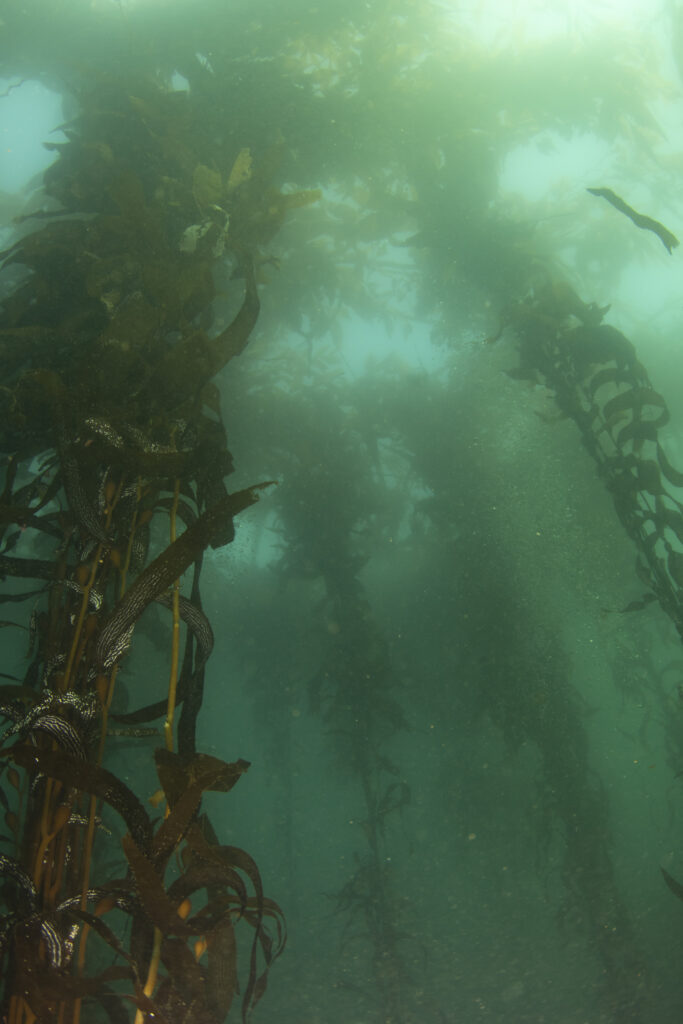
62	732
201	629
676	887
176	772
87	777
165	569
270	949
219	871
196	620
227	890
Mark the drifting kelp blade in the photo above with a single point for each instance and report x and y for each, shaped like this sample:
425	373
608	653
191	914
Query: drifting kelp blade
272	910
641	220
151	711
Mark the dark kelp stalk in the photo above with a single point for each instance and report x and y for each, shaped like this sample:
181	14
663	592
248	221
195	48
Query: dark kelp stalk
109	352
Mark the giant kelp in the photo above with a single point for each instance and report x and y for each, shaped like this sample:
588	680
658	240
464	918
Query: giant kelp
379	102
108	349
601	384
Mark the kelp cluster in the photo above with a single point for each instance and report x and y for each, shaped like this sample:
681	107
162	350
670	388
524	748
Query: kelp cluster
600	383
110	348
111	427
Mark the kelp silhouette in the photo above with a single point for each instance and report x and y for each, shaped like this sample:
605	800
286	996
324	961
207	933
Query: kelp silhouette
599	382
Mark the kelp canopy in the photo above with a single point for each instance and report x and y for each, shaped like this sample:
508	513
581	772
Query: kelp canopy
414	651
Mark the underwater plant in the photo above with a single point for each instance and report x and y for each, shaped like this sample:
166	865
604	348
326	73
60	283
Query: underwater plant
115	459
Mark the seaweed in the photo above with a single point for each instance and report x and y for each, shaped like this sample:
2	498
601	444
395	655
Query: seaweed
667	238
109	349
600	383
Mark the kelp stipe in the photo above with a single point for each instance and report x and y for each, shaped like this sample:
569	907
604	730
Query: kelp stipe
107	377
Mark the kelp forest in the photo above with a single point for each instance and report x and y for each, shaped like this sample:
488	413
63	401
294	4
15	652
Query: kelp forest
341	513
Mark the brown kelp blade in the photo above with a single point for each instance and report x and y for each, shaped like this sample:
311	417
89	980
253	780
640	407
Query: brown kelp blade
78	774
169	566
667	238
676	887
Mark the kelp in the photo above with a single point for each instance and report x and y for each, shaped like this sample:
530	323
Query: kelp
667	238
599	382
166	568
604	388
109	349
142	894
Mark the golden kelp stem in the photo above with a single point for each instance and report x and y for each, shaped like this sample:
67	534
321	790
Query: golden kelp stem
184	911
175	642
667	238
20	1012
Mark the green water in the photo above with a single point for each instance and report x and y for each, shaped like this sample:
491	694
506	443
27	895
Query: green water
458	695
